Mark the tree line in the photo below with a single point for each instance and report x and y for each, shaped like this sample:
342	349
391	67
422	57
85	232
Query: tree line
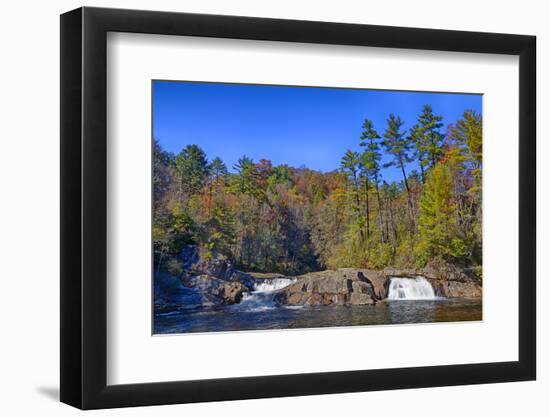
293	220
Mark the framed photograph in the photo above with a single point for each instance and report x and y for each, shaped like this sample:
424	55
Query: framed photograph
258	208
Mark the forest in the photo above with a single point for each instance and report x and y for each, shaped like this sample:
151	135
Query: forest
292	220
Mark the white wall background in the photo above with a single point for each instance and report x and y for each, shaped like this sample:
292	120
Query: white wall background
29	225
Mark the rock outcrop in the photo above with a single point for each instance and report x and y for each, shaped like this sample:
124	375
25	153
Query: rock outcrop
228	292
379	282
351	286
213	277
452	289
340	287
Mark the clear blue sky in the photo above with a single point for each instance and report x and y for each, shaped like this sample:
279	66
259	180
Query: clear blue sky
298	126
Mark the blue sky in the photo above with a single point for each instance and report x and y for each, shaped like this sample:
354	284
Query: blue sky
298	126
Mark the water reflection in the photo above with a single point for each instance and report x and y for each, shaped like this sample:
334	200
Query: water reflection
176	319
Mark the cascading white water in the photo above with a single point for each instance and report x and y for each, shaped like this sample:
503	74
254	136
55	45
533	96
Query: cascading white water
261	298
273	284
414	288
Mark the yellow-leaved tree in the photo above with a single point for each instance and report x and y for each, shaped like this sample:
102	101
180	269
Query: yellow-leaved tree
438	233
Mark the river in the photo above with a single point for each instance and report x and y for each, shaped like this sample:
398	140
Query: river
258	312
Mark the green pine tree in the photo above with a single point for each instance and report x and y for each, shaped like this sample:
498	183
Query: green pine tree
431	138
192	169
370	160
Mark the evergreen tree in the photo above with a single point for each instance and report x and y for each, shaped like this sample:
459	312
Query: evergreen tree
370	159
192	169
350	165
431	138
280	175
245	179
217	169
416	138
467	133
294	220
398	147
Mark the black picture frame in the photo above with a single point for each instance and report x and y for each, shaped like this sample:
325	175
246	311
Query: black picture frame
84	207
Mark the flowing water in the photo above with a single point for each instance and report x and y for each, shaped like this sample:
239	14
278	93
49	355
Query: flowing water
417	288
410	300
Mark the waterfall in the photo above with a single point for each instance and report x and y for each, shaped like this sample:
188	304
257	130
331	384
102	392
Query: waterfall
274	284
261	298
417	288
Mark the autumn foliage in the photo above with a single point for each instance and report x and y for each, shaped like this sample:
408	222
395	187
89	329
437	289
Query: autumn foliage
293	220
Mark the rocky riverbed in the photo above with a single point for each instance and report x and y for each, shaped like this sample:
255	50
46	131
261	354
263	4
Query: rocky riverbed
214	282
209	294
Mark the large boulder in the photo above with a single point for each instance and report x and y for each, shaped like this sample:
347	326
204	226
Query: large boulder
225	292
452	281
452	289
245	279
232	292
344	286
379	282
441	270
